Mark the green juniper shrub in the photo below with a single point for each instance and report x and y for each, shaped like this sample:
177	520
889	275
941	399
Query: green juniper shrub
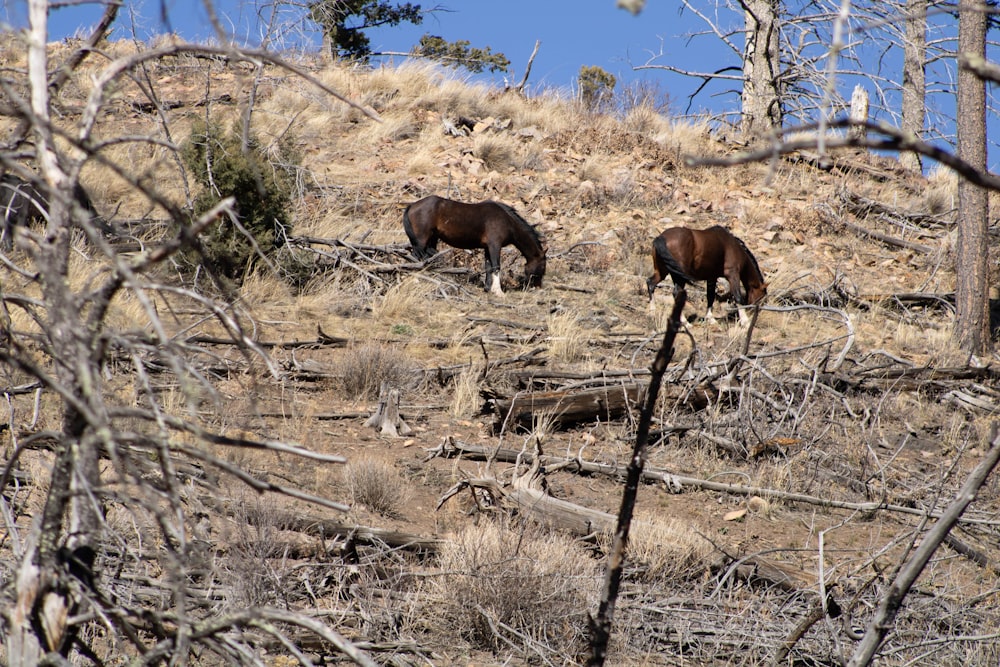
261	189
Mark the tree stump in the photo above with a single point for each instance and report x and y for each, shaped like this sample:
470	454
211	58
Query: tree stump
386	418
859	113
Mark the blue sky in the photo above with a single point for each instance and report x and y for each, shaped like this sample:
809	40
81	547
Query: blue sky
572	33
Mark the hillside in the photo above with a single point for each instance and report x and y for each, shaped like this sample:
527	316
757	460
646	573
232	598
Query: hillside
799	459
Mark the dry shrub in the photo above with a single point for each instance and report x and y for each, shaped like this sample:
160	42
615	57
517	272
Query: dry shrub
392	128
689	137
376	485
249	565
636	241
506	588
363	370
663	550
498	153
622	188
941	195
644	120
593	168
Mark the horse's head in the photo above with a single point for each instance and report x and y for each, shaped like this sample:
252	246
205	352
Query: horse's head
534	271
756	291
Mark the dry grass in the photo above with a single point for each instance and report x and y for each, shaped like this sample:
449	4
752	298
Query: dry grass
506	590
406	301
506	587
465	398
365	369
498	152
567	337
663	550
376	485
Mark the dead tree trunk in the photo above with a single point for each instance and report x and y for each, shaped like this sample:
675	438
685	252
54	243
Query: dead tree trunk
972	254
914	79
762	105
859	114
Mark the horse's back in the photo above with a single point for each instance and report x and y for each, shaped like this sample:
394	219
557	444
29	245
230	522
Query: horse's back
19	197
696	252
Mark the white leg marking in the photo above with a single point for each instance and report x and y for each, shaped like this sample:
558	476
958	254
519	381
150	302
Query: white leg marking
495	287
710	316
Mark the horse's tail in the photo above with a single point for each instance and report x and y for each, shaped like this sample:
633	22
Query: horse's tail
408	227
673	267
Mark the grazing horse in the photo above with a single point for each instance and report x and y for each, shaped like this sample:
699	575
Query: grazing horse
489	225
709	254
21	203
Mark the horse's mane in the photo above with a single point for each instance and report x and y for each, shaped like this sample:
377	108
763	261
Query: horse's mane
517	216
750	255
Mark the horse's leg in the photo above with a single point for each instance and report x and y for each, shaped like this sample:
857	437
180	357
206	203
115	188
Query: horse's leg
710	298
492	254
678	288
651	283
430	248
738	299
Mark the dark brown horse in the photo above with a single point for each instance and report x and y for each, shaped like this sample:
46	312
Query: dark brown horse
691	254
22	203
488	225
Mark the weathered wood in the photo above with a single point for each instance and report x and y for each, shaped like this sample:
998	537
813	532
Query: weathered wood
328	529
567	407
322	340
832	218
674	483
387	418
526	496
859	113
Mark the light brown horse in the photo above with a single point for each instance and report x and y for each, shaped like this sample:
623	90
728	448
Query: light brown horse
691	254
488	225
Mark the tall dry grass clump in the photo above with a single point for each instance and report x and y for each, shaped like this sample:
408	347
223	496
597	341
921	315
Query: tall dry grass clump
363	370
376	485
567	339
405	301
497	152
465	398
664	551
509	587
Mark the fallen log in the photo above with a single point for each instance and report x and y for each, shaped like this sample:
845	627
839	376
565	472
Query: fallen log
564	408
329	529
833	219
526	496
673	483
544	509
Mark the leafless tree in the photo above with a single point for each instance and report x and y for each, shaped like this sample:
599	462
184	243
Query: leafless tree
72	574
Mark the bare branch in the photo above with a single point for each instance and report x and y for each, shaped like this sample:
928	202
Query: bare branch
892	598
